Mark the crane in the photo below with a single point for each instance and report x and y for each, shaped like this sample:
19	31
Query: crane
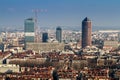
36	11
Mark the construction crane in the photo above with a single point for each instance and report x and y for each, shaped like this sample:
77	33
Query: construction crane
36	11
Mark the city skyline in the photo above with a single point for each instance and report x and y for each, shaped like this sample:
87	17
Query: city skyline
60	13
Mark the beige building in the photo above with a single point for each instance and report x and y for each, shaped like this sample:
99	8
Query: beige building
110	44
15	42
101	61
26	60
44	47
9	68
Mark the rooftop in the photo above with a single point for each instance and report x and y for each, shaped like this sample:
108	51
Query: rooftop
86	19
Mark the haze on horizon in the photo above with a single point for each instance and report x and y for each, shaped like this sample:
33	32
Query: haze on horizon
60	12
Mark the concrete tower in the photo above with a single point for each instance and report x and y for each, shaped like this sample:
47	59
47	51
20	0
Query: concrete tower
118	36
86	32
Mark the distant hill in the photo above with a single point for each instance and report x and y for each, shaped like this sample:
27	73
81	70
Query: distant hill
78	28
75	28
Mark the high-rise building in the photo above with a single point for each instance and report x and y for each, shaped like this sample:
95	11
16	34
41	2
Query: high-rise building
118	36
59	34
29	26
86	32
44	37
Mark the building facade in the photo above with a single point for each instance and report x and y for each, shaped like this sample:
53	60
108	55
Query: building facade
86	32
59	34
29	26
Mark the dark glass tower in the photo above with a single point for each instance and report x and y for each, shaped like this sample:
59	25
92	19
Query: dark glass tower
86	32
59	34
44	37
29	26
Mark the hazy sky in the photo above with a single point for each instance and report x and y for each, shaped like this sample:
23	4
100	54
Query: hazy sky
60	12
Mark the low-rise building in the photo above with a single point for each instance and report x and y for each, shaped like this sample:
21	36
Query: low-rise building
8	68
44	47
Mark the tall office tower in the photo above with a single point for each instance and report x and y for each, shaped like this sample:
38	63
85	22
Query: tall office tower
118	36
29	26
86	32
44	37
59	34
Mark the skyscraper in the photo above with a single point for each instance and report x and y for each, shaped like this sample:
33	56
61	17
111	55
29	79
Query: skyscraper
86	32
29	26
59	34
118	36
44	37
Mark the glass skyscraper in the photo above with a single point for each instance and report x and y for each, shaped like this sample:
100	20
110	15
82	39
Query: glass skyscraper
59	34
29	28
44	37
